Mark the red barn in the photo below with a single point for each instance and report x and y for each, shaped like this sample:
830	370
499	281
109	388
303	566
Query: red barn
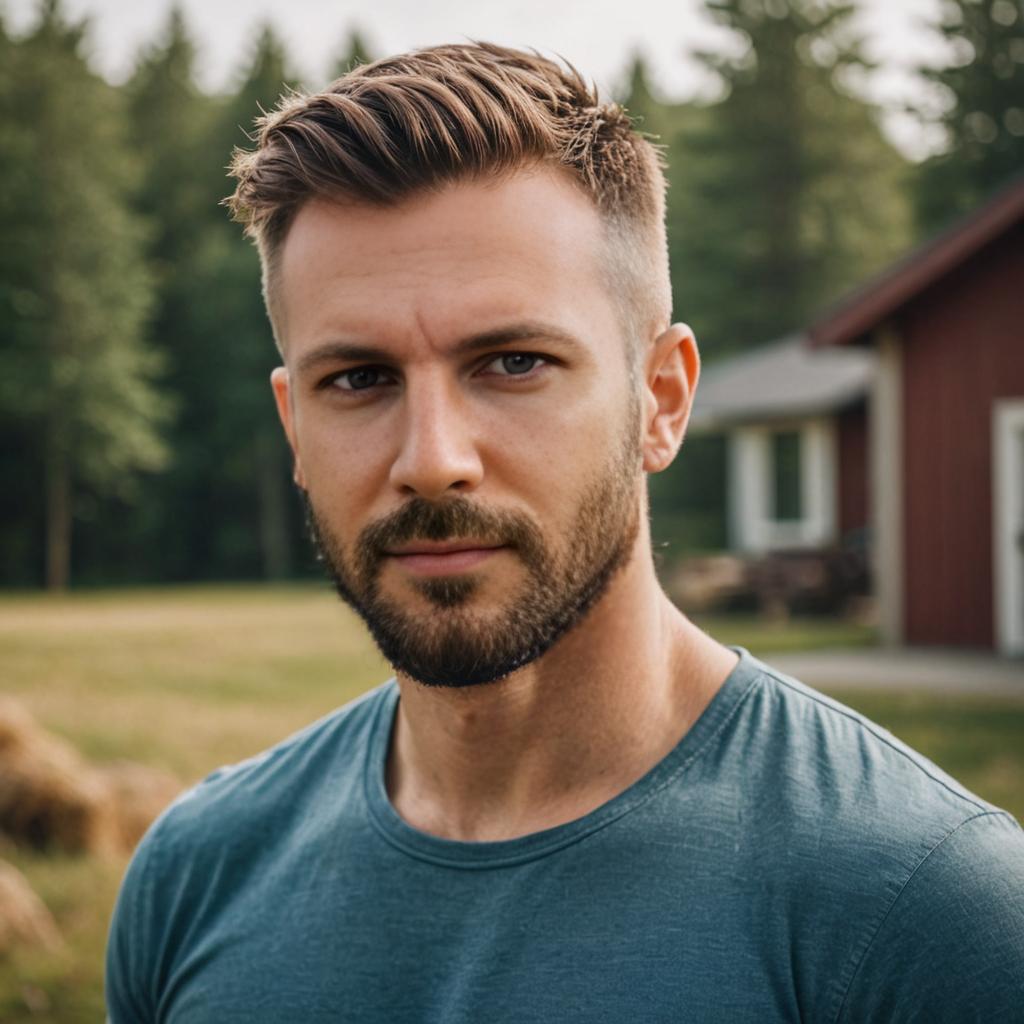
946	430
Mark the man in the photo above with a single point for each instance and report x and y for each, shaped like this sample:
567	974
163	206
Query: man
570	804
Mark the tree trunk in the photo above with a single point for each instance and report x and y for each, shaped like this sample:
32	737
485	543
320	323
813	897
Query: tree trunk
275	543
58	513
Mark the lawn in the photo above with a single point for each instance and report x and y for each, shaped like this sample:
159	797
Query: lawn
190	678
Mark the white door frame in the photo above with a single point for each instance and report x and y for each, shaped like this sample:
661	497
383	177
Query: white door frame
1008	523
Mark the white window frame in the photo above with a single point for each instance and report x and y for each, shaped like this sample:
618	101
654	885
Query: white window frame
753	527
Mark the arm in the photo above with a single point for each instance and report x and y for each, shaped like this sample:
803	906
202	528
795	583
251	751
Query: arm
951	947
129	943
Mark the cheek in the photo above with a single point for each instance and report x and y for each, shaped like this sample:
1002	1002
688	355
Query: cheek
550	454
341	468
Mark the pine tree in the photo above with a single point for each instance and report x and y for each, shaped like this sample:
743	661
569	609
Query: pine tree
650	113
222	510
670	127
688	500
793	194
983	119
248	459
354	51
169	121
79	377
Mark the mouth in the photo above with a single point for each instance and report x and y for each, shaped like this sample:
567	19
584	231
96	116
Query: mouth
442	558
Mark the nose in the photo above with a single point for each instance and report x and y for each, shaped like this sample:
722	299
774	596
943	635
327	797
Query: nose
438	450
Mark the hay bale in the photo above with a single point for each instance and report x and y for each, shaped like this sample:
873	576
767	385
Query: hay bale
138	794
50	798
24	918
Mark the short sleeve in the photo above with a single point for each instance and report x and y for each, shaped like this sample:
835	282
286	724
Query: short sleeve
127	990
951	947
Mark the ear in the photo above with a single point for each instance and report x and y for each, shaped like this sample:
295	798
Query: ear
672	368
281	383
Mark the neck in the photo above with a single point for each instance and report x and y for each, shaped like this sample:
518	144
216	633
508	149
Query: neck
563	735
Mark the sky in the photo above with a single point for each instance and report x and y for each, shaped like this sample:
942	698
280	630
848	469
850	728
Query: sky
597	36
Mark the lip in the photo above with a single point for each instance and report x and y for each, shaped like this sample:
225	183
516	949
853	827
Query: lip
441	547
424	558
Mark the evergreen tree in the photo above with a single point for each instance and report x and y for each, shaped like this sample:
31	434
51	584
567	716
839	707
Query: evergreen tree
248	464
170	122
687	500
223	509
354	51
670	127
79	378
983	117
793	194
650	114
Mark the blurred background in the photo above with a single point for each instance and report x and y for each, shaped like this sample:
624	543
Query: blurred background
809	144
846	226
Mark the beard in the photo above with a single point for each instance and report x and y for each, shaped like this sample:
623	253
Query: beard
454	643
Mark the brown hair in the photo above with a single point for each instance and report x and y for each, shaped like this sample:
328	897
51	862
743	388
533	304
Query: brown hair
415	122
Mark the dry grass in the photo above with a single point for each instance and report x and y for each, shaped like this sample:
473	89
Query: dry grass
24	918
183	679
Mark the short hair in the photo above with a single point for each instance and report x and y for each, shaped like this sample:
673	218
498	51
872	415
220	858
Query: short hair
413	123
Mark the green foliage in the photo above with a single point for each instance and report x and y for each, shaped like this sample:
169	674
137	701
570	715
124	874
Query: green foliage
355	50
792	194
982	93
688	500
254	460
230	460
80	379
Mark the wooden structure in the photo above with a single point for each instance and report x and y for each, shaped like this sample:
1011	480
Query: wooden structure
946	430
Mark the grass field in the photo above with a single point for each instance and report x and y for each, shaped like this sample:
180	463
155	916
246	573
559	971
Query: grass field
187	679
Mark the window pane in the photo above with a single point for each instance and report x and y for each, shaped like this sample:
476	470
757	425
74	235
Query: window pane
786	503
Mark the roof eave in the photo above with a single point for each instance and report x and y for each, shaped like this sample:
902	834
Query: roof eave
853	318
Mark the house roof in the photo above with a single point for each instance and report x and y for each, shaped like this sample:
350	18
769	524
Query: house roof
853	317
784	380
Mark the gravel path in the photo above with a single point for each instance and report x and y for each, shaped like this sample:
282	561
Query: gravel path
934	669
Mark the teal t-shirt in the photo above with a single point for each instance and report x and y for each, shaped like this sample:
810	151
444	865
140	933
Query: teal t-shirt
787	861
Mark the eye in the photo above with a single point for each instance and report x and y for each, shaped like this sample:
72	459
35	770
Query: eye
359	379
515	364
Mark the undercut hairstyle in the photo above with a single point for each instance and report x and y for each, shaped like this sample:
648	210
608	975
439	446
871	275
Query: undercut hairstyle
415	123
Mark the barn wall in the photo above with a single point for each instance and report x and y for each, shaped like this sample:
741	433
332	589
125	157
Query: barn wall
963	348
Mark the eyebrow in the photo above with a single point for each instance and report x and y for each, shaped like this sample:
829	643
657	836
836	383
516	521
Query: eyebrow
356	352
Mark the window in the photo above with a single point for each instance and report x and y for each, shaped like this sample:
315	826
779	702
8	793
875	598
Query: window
786	501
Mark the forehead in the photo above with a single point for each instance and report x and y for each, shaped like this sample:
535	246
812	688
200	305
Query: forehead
456	261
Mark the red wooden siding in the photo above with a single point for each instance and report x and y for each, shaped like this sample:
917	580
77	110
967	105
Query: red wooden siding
853	503
963	348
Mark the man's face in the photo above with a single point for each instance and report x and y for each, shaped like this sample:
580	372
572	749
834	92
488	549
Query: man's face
465	427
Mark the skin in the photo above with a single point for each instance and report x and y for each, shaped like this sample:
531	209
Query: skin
513	265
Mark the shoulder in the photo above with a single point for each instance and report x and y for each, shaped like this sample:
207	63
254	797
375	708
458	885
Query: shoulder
956	931
924	878
248	802
230	828
846	765
271	782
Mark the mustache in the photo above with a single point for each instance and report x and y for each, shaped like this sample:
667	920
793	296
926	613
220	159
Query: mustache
451	519
420	519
